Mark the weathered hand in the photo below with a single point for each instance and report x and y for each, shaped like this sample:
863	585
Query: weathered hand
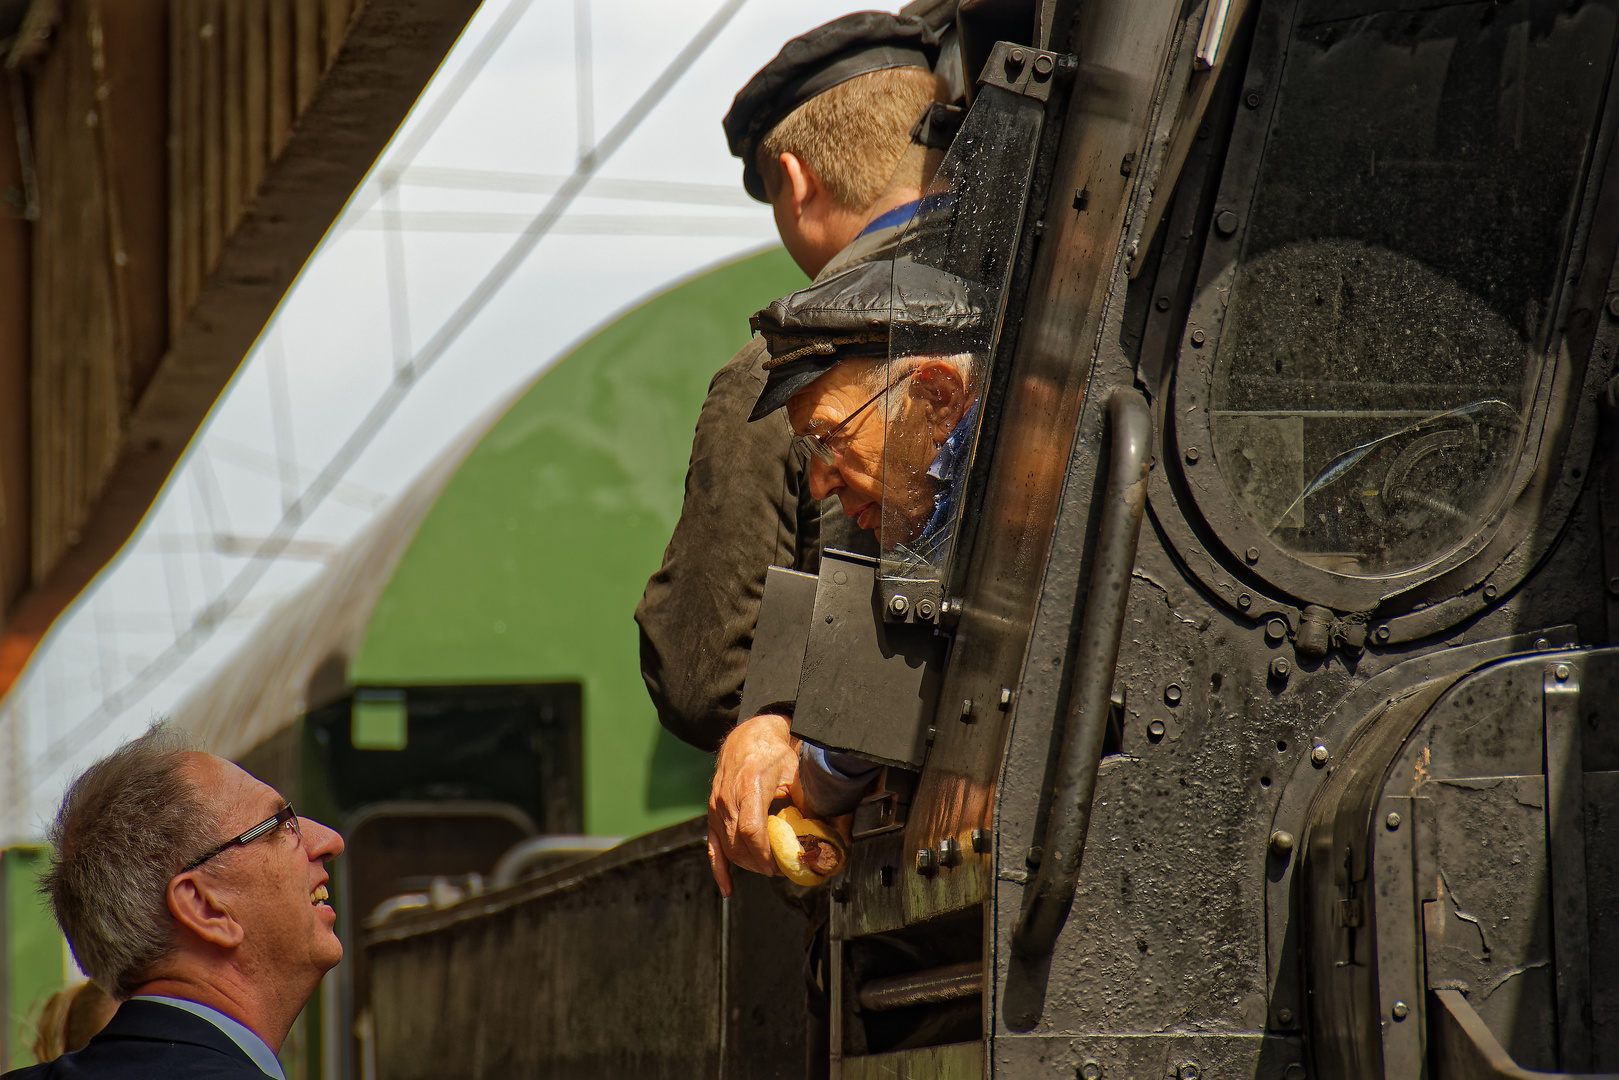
758	764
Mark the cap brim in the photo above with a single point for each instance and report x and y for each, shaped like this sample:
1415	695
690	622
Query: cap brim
781	387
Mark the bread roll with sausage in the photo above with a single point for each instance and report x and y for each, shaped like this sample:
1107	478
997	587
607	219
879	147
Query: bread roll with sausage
807	851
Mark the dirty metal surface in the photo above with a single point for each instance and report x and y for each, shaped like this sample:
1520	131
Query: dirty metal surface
627	965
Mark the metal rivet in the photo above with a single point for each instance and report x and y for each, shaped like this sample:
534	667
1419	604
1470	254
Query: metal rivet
1192	454
1284	1017
1226	222
1562	671
967	711
1401	1010
1189	1070
1198	338
840	578
1252	99
1172	694
1275	630
1280	668
924	860
1541	644
1245	601
1043	65
949	851
1489	591
1295	1071
1016	56
1090	1071
1613	585
1163	303
980	839
924	609
1319	756
1155	730
1252	555
1281	843
899	605
1613	307
1392	821
1382	633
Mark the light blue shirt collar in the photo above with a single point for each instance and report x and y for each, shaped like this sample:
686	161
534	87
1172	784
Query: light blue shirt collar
240	1034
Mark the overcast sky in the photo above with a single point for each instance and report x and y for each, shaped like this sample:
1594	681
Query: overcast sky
666	204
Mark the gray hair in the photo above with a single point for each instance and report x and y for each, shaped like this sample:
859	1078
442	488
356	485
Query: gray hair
888	373
126	827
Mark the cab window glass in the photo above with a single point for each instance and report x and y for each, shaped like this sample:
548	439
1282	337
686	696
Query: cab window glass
1391	304
943	325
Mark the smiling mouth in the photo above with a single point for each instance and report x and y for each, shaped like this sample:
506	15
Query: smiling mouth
319	895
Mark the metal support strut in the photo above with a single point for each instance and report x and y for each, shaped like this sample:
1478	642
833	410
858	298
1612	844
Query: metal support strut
1051	894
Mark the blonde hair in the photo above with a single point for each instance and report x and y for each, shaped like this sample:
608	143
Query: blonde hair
855	134
71	1018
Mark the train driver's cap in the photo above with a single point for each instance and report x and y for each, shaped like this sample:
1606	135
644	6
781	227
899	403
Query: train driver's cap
814	63
850	315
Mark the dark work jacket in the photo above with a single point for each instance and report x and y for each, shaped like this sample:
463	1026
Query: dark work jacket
747	508
147	1040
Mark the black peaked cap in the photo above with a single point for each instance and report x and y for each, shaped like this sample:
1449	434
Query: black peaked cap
814	63
849	315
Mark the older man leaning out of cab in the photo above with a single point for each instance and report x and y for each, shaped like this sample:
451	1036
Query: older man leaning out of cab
876	367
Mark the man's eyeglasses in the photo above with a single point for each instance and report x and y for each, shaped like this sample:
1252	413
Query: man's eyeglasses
285	816
818	445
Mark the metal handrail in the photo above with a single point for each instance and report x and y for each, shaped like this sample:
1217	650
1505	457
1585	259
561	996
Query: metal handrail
525	854
1051	894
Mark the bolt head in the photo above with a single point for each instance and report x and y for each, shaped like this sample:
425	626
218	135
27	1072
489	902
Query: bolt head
1226	222
1284	1017
1280	668
1613	585
1613	306
1189	1070
1276	629
1016	56
1163	303
1192	454
1295	1071
1392	821
1006	696
924	860
1319	756
899	605
1172	694
1281	844
1383	633
1562	671
1198	338
980	839
924	609
1401	1010
1252	555
1090	1071
1043	65
1155	730
1490	590
1252	99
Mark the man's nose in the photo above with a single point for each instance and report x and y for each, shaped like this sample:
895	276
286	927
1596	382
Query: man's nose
824	480
323	843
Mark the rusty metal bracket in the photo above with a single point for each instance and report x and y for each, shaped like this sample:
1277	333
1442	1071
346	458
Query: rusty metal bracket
1026	71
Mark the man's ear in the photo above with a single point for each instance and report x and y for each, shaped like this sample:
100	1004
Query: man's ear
198	907
943	394
801	184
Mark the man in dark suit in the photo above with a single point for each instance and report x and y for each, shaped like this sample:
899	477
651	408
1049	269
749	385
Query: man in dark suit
198	897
